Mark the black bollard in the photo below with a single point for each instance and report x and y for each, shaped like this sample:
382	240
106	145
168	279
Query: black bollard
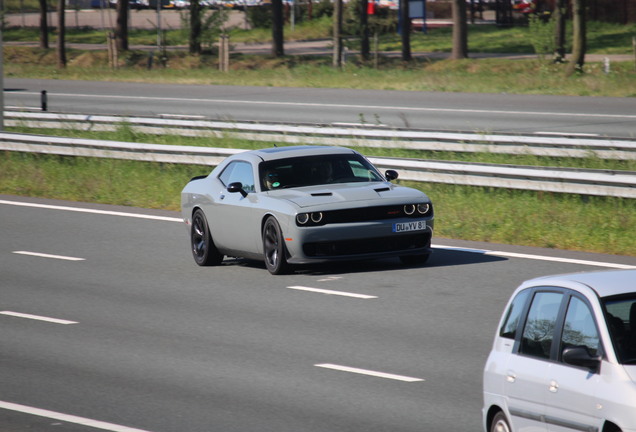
43	100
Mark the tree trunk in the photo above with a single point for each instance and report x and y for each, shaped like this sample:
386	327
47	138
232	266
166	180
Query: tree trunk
61	34
278	41
365	47
460	30
121	29
578	37
337	34
559	15
405	26
195	27
44	28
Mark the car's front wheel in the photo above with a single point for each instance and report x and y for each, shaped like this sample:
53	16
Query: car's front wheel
274	248
204	251
500	423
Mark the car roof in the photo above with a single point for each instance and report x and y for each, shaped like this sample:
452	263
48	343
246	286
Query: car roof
605	282
296	151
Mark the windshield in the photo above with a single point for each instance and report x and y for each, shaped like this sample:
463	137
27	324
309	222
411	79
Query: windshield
621	321
317	170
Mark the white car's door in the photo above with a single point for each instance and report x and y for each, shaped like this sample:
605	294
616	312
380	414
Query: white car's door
528	368
571	404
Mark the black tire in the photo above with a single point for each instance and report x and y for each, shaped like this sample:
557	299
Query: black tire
274	248
204	251
500	423
414	260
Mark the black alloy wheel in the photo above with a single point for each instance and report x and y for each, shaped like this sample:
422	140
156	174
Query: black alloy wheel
203	249
274	248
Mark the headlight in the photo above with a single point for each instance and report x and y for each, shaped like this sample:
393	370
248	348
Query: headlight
302	218
409	209
423	208
316	217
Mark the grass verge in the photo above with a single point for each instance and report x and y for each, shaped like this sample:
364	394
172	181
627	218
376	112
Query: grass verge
561	221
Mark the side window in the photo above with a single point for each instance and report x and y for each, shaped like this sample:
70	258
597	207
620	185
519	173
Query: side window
538	331
511	323
579	328
238	171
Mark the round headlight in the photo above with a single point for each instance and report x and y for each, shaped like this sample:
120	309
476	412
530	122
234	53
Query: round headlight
316	217
409	209
302	218
423	208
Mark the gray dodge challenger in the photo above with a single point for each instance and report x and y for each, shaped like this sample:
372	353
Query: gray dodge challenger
304	204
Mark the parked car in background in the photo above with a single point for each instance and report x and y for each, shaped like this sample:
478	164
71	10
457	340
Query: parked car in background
564	356
304	204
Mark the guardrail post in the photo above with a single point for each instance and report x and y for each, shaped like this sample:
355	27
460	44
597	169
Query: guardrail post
43	100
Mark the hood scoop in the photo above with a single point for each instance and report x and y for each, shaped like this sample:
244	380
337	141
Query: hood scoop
319	194
384	189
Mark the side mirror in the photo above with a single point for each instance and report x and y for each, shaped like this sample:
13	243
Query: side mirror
237	187
580	356
391	175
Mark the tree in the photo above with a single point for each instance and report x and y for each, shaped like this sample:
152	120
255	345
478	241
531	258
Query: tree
460	30
337	33
44	28
578	37
61	34
121	29
365	48
195	27
278	44
405	30
559	16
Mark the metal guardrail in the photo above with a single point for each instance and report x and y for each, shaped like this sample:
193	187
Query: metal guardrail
587	182
366	135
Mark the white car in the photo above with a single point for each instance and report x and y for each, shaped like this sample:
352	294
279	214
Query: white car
564	356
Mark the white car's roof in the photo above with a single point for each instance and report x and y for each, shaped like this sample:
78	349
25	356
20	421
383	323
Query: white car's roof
604	283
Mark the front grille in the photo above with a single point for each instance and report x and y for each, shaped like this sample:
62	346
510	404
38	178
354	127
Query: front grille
365	214
395	243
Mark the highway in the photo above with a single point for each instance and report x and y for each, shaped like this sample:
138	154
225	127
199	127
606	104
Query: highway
108	324
485	113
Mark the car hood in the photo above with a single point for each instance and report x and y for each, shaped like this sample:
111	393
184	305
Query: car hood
348	192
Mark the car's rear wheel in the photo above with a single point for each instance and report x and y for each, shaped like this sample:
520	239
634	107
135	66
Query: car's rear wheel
500	423
274	248
412	260
204	251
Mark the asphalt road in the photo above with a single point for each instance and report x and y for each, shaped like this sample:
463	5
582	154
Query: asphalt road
490	113
153	342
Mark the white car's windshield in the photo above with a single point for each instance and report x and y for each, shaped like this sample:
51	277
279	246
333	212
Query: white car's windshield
316	170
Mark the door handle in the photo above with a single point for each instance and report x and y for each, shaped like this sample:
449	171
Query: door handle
511	377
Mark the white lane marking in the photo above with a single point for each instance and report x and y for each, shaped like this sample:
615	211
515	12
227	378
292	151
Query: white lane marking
38	317
43	255
567	134
328	105
68	418
368	372
481	251
538	257
182	116
331	292
93	211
